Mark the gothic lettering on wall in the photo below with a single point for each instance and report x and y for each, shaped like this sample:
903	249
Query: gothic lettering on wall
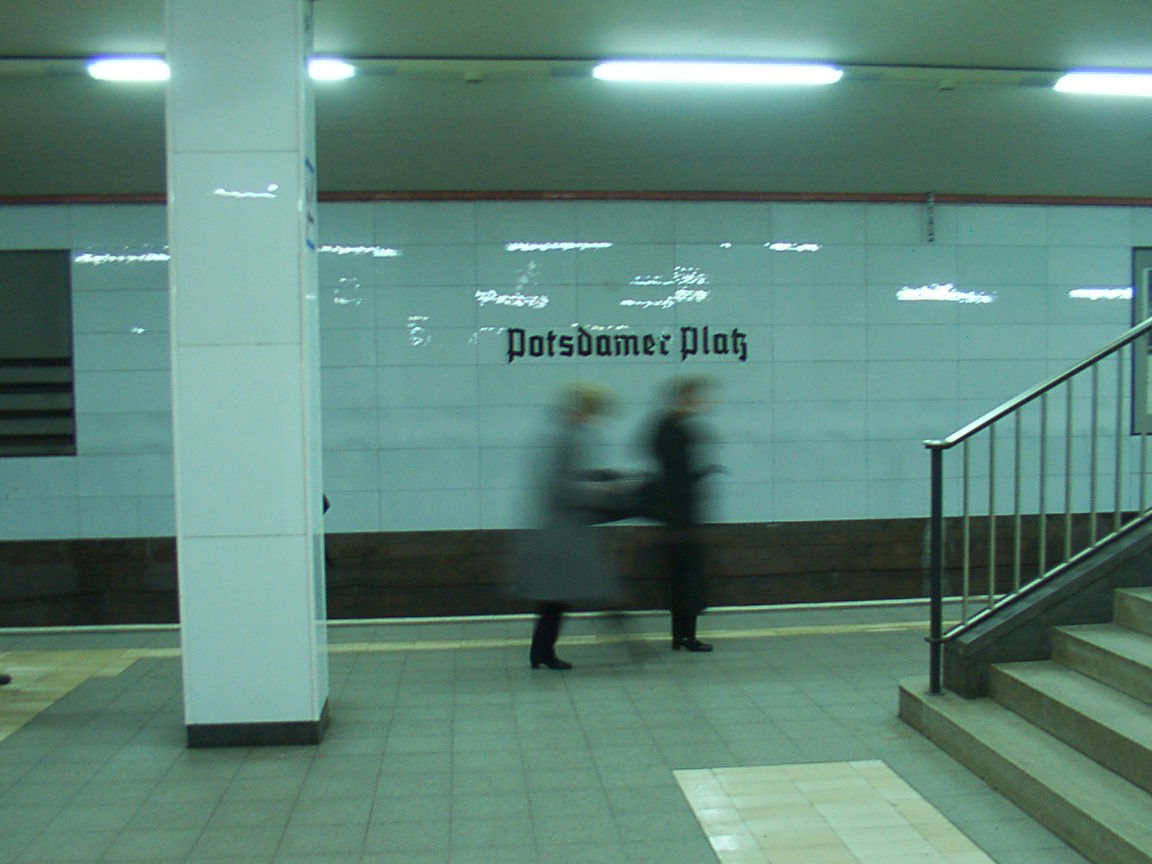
686	344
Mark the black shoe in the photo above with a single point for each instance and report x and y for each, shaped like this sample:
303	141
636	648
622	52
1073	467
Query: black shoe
5	679
551	663
690	644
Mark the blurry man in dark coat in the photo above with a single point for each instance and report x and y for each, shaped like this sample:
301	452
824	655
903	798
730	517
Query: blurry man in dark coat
677	444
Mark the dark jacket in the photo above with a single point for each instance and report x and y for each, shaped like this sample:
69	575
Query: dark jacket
561	557
676	492
676	499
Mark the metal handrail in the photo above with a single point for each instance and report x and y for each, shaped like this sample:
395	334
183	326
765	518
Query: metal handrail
1017	402
1137	337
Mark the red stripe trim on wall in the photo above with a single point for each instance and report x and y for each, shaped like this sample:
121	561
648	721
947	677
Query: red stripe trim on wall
624	195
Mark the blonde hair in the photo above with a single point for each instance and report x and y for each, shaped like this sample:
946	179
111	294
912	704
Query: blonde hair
590	400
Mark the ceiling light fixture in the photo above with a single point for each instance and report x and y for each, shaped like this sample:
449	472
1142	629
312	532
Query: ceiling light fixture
155	69
697	72
1106	83
330	69
128	69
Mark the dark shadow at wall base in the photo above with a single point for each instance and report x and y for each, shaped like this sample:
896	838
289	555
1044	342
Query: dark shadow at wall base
295	733
435	573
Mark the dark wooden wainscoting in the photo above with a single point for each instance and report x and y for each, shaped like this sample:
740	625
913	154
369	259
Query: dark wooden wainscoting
422	573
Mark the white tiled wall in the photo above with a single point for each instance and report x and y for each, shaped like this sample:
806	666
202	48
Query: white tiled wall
428	426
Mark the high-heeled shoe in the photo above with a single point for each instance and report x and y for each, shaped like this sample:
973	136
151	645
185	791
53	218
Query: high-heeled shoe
551	663
690	643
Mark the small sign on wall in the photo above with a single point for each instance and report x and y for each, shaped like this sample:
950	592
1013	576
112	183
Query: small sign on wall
686	343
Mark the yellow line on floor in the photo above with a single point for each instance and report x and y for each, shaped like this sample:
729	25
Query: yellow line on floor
617	638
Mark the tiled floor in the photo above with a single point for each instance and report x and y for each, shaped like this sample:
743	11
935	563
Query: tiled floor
445	748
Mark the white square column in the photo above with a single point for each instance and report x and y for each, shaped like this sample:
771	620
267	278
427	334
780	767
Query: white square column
245	371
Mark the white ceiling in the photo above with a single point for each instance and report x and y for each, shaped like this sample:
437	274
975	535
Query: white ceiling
406	125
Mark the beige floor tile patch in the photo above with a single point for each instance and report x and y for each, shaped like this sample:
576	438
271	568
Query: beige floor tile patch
39	678
821	813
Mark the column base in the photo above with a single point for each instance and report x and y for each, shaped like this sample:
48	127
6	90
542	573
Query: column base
294	732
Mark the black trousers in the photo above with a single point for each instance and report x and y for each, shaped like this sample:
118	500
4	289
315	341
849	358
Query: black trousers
683	626
546	631
686	589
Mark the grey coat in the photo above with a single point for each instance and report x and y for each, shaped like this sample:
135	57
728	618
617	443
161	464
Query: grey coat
560	558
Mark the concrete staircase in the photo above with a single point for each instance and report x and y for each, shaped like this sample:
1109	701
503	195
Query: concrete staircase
1068	739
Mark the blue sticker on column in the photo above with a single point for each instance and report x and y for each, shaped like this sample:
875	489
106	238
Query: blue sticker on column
310	197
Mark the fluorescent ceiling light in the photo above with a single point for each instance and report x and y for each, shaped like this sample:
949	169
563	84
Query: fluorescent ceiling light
155	69
128	69
1106	83
694	72
330	69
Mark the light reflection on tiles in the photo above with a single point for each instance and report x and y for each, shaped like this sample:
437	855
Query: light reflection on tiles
821	813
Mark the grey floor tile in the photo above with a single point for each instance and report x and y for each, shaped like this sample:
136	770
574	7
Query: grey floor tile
574	828
237	843
412	836
113	817
322	839
154	816
498	805
498	855
154	845
637	827
251	814
434	781
139	769
440	856
335	811
497	760
669	851
289	769
488	782
537	760
554	803
112	793
372	743
332	787
68	846
665	798
413	808
33	818
563	778
321	858
38	794
584	853
178	791
262	789
490	832
633	777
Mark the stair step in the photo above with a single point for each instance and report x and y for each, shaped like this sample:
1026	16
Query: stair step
1115	655
1100	722
1102	815
1133	609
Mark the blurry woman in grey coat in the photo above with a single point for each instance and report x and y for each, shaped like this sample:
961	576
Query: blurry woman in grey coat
560	560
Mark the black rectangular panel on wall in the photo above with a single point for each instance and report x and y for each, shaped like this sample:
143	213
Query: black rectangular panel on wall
37	407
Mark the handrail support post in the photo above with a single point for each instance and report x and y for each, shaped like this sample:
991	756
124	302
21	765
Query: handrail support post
936	572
